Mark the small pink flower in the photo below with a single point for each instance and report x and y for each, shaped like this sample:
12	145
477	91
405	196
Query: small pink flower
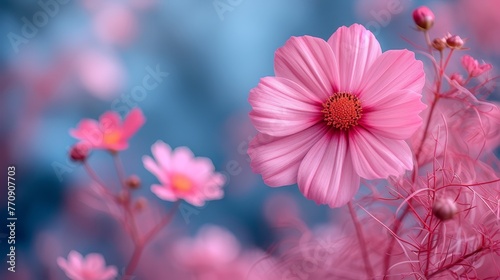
473	67
182	176
336	111
110	132
92	267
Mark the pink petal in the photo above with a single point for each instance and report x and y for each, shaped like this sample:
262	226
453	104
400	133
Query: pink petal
201	169
396	115
88	131
94	262
182	158
393	71
355	50
75	259
110	273
156	170
326	174
278	158
280	108
134	120
163	193
110	121
377	157
162	153
308	61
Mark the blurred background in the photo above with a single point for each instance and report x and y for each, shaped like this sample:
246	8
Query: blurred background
64	60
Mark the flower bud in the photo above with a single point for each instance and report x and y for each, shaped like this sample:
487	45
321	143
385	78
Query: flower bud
79	152
444	209
140	204
123	197
454	42
439	44
133	182
458	78
423	17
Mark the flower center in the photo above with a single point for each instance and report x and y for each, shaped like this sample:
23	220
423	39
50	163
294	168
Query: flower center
181	183
112	137
342	110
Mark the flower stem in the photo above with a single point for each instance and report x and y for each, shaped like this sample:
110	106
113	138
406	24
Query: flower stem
361	240
139	246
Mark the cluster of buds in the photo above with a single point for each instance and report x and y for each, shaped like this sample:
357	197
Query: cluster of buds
424	19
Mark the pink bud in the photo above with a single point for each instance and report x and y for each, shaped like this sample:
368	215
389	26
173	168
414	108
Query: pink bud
423	17
439	44
454	42
79	152
444	209
458	78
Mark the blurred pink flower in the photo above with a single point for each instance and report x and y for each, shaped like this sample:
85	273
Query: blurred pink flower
473	67
92	267
336	111
110	132
115	23
212	248
182	176
100	73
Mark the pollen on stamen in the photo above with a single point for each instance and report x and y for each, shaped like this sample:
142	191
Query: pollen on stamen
342	110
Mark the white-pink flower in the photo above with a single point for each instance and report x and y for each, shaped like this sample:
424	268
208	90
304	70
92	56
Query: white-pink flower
92	267
183	176
336	111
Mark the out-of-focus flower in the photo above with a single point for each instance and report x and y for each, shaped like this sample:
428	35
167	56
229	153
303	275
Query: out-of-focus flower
100	73
423	17
454	41
115	23
473	67
183	176
79	152
439	44
336	111
110	132
213	247
92	267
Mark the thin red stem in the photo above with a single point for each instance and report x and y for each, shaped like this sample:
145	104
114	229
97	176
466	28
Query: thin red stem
361	239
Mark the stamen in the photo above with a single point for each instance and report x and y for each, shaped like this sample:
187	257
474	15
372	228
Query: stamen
342	110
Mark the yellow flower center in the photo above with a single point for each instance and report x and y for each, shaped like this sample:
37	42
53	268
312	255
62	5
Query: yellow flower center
112	137
342	110
181	183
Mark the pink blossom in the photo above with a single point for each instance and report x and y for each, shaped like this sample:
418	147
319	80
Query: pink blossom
182	176
110	132
336	111
92	267
473	67
100	73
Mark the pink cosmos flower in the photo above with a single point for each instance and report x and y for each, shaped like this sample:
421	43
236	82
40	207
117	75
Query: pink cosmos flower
92	267
335	111
473	67
182	176
110	132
